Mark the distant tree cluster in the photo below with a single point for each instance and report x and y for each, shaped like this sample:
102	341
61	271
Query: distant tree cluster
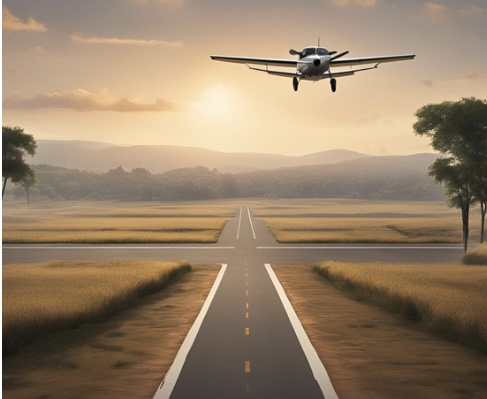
459	131
383	180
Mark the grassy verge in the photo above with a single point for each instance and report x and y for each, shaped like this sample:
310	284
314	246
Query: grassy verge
477	256
42	298
446	299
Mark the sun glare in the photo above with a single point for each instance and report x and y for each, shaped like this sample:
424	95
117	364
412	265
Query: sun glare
218	102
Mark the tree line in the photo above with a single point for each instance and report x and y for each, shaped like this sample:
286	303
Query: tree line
202	183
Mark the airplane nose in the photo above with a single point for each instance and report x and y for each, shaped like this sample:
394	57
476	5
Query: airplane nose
316	62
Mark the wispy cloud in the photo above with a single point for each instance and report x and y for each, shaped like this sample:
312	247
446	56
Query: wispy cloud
83	100
13	24
77	38
361	3
473	11
434	11
171	3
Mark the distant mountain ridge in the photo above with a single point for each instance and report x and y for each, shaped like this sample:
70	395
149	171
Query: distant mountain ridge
101	157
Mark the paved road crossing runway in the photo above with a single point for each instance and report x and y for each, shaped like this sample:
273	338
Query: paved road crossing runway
246	345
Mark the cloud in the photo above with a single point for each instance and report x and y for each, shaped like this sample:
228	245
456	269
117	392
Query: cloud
473	11
427	82
83	100
13	24
361	3
170	3
76	38
435	11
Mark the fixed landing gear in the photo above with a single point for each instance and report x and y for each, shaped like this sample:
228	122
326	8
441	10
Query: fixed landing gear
333	83
295	83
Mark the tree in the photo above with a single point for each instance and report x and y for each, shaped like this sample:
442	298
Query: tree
15	145
27	182
458	188
459	130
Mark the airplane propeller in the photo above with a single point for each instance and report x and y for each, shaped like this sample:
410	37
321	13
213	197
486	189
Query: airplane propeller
338	55
294	52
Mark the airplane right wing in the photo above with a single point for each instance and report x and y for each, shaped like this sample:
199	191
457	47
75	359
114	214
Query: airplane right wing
370	60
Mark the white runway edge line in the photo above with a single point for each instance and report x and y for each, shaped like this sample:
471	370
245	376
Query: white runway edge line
239	221
95	246
284	246
319	371
165	389
251	224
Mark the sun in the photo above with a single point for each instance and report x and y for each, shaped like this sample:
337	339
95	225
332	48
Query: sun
218	103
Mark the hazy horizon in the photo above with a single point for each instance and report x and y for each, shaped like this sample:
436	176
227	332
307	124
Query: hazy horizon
138	72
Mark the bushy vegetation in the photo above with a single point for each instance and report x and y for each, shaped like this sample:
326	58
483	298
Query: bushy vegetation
43	298
476	256
446	299
382	178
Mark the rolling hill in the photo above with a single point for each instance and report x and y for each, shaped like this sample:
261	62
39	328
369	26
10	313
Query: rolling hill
100	157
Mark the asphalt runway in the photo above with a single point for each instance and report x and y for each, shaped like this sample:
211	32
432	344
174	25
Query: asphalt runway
246	345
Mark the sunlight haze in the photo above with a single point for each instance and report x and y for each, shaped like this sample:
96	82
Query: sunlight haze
134	72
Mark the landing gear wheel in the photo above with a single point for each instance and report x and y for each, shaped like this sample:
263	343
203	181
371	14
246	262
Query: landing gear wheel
333	83
295	83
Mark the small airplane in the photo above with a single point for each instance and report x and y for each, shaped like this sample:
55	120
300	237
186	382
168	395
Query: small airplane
314	63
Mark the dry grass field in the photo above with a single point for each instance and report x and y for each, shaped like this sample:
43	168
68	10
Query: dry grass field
446	299
124	356
352	221
111	222
42	298
373	353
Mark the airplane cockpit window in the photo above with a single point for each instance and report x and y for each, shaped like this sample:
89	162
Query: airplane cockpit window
309	51
322	51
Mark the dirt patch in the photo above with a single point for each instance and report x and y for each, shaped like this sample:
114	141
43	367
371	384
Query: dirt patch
125	357
370	353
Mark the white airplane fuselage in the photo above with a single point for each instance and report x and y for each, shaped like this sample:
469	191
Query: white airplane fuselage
313	63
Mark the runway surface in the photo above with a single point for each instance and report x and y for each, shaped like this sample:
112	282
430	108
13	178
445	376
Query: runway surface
246	345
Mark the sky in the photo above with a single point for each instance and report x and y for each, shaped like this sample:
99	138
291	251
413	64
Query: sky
138	72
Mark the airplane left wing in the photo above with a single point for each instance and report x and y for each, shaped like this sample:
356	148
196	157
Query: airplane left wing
370	60
252	60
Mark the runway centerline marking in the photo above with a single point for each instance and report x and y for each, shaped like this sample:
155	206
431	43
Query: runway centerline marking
247	367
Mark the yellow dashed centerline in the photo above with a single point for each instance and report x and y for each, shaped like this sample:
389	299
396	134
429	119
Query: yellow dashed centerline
247	367
247	331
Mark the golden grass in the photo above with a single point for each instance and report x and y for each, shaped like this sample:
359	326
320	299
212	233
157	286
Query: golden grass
109	222
365	230
476	256
352	221
46	297
447	299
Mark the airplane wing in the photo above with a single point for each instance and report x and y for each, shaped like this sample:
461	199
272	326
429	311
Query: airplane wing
252	60
370	60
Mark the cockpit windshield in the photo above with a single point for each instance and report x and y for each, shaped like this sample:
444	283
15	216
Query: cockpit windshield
314	50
